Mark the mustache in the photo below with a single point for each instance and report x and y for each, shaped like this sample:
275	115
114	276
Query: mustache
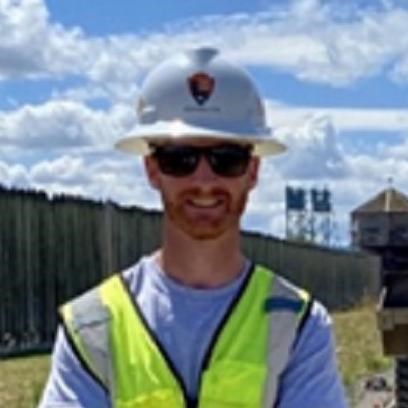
204	193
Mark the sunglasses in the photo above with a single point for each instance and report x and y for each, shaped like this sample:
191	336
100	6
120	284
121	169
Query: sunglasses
225	160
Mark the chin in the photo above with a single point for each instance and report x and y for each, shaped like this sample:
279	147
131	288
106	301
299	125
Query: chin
207	232
202	227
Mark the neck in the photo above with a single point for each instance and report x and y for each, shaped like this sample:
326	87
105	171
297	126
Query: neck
201	263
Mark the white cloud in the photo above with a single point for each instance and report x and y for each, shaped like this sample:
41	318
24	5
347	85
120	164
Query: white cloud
13	175
67	169
324	43
58	124
375	171
343	119
330	43
30	46
99	176
314	152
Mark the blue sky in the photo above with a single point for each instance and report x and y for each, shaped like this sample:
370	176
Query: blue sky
108	18
333	76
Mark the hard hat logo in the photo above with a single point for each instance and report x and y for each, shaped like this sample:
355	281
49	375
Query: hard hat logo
201	87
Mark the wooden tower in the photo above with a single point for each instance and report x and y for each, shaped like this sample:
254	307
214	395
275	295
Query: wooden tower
381	226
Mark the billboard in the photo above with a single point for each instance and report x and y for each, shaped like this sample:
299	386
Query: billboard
295	199
321	200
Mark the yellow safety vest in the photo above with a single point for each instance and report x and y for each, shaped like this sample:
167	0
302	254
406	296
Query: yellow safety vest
249	351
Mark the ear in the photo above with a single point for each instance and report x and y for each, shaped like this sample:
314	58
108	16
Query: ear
253	170
152	171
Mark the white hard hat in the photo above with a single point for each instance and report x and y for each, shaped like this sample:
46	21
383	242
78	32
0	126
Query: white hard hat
198	94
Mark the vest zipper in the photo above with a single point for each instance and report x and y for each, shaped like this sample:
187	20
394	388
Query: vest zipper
207	357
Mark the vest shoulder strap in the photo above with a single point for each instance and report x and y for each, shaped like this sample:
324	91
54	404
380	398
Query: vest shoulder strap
86	321
287	307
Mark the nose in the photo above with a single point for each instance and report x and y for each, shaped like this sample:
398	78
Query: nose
203	172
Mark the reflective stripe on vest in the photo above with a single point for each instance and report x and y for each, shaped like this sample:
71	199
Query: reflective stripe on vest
248	353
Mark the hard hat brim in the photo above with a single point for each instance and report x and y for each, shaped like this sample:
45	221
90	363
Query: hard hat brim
137	142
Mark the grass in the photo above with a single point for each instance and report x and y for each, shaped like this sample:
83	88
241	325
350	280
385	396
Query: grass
22	381
358	342
358	350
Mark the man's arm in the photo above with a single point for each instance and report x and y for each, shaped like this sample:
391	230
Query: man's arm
311	379
69	385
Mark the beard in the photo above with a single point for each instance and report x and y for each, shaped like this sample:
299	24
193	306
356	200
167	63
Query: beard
205	223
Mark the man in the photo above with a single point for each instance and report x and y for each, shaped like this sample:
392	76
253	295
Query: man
196	324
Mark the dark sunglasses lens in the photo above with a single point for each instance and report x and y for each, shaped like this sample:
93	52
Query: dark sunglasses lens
177	161
229	160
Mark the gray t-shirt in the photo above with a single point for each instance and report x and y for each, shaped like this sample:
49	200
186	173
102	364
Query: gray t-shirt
184	320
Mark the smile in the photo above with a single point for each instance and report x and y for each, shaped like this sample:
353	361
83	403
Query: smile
205	202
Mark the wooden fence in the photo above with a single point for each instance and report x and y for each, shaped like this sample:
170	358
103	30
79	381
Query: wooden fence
53	248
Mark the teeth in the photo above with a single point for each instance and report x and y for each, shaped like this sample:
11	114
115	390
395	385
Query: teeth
205	202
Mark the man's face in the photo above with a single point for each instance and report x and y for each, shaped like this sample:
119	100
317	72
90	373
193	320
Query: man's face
203	204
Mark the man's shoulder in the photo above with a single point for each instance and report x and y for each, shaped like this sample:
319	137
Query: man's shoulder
136	269
319	315
315	314
88	301
285	285
284	280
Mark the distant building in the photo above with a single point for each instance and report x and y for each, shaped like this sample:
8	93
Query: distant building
381	226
